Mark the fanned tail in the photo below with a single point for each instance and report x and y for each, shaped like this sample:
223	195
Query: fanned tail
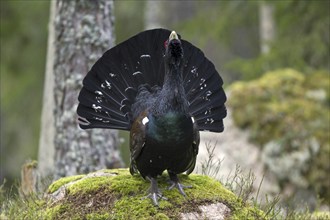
110	87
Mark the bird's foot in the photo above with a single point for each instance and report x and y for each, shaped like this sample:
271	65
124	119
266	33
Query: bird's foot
179	186
174	180
154	196
154	193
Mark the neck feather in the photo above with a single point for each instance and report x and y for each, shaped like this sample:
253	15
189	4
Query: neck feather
172	97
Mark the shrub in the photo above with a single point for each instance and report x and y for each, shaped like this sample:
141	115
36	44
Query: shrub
287	114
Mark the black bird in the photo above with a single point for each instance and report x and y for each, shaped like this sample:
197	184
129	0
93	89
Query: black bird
164	91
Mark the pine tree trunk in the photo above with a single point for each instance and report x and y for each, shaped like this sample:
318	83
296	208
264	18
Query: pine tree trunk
47	133
267	26
153	14
166	14
83	31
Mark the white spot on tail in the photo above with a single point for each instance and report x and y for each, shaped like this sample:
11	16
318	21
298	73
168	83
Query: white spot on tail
194	71
137	72
98	119
208	111
106	84
98	92
207	95
99	96
128	89
145	56
96	108
193	120
209	121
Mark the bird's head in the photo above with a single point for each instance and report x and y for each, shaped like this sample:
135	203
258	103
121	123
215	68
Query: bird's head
173	49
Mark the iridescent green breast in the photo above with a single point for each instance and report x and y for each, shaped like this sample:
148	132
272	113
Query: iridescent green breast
171	128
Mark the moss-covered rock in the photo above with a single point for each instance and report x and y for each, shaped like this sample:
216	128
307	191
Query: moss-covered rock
115	194
288	115
320	216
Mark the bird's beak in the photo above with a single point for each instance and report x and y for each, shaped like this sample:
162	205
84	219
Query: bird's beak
173	36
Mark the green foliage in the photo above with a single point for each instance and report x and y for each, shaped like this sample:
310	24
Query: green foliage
228	31
22	65
301	41
16	207
287	114
313	48
128	19
218	27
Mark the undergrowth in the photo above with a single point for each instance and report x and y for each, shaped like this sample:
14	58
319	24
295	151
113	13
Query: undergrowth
16	206
242	185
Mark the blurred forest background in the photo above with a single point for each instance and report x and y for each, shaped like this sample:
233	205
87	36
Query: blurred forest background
267	84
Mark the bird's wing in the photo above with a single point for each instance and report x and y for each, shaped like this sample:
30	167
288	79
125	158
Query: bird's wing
195	146
137	139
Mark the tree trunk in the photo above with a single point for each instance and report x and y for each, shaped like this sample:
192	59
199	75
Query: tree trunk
166	14
267	25
153	14
83	31
47	133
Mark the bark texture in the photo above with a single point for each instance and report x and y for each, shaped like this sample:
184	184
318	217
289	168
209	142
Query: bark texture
83	31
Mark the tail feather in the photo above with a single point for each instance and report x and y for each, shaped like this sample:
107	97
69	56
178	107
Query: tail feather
215	113
214	126
212	119
201	106
100	90
204	90
203	86
101	105
97	119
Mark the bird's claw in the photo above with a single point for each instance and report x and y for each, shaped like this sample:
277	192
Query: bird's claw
154	197
179	186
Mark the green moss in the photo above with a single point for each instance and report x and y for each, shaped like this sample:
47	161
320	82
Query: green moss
288	116
204	190
57	184
161	216
98	216
321	216
89	185
120	196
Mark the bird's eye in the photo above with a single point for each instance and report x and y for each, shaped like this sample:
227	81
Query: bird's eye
165	44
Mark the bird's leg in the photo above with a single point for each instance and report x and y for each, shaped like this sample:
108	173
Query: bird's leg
154	192
175	183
